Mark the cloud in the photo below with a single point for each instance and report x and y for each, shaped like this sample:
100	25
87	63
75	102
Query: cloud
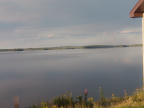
129	32
19	11
35	23
51	35
36	38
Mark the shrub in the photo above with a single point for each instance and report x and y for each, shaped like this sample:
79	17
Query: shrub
64	100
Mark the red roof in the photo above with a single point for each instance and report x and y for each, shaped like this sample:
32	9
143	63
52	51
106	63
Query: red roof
138	10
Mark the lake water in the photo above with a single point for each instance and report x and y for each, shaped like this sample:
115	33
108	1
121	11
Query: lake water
37	76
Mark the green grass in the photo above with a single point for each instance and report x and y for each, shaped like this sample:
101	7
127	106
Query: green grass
67	101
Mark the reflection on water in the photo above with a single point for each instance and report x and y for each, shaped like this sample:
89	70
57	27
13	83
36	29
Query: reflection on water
37	76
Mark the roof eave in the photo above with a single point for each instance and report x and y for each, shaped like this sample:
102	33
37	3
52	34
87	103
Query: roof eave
136	15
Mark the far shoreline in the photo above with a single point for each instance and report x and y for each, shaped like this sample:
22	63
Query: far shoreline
71	47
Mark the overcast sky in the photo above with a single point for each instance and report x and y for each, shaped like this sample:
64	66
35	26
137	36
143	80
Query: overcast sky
46	23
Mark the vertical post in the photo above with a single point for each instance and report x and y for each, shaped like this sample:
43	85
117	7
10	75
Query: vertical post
143	44
16	101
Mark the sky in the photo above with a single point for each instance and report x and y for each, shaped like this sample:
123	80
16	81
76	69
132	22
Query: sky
49	23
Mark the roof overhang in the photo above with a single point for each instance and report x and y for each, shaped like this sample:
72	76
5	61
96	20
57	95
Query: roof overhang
138	10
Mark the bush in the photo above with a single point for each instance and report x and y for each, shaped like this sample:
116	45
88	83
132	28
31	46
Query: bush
65	100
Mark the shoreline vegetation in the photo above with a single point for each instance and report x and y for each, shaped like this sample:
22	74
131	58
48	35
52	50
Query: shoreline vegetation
71	47
67	101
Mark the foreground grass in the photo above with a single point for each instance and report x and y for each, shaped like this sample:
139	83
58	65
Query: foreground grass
134	101
67	101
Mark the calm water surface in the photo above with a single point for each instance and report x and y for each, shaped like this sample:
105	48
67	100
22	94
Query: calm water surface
37	76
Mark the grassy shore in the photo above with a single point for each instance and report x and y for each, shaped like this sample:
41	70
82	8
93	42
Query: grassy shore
71	47
67	101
